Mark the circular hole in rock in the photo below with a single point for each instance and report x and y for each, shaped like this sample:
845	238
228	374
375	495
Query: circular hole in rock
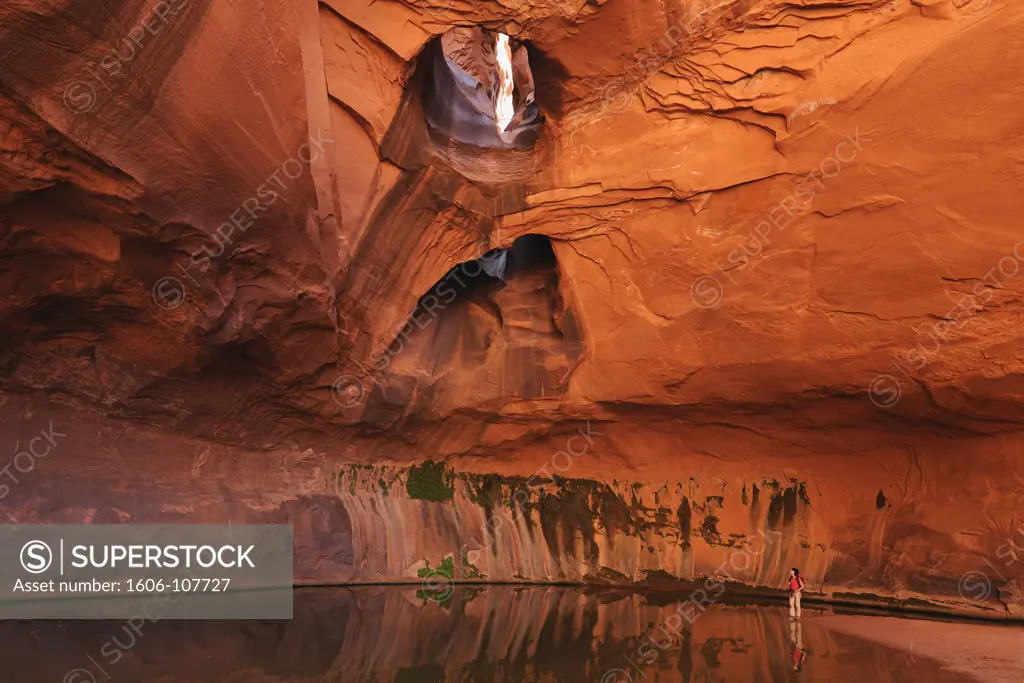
480	104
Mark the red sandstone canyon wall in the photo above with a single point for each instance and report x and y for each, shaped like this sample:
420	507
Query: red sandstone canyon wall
785	249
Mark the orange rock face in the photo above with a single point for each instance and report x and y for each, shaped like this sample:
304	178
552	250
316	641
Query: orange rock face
782	250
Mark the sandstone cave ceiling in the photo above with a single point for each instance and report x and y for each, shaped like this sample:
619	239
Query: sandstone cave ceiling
730	269
765	218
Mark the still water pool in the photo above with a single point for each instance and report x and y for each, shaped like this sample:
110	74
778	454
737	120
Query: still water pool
473	634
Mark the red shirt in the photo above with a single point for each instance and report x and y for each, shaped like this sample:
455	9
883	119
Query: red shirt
794	583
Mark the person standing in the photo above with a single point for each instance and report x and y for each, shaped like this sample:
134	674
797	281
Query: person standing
796	587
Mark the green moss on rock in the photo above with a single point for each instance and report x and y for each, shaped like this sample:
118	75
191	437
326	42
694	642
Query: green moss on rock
430	481
445	569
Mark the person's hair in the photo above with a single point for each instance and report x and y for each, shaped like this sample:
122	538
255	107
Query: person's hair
796	571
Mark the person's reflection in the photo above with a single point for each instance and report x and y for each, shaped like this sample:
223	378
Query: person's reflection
796	637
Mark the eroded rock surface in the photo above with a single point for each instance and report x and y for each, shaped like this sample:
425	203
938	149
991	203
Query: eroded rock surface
786	250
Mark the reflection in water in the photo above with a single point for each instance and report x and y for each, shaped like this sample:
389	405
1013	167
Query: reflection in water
497	633
796	636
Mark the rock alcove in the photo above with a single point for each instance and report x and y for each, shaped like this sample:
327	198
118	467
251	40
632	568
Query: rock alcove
497	327
758	225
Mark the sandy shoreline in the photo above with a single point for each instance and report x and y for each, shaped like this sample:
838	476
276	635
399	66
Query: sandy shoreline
986	652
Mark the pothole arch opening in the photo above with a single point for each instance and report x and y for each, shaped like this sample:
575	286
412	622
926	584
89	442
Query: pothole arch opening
503	314
531	252
504	108
479	90
478	280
